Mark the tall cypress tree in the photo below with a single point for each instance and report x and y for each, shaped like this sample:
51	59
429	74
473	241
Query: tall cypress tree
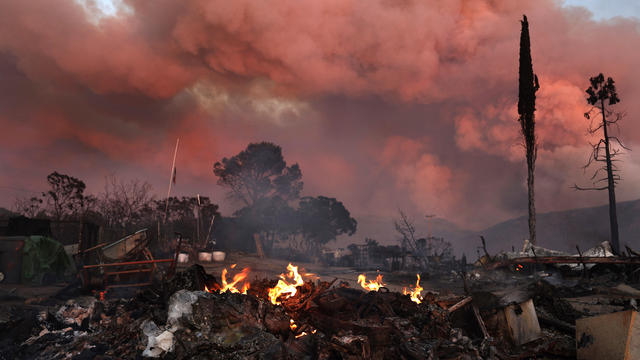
528	85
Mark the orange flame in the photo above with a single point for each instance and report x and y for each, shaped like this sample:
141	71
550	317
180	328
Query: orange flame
519	267
415	295
284	288
292	325
99	294
372	285
304	333
231	287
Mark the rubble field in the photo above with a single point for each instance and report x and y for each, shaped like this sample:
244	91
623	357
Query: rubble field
541	312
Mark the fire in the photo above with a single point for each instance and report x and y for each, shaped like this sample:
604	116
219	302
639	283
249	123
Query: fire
519	267
100	294
293	326
231	286
415	295
373	285
283	287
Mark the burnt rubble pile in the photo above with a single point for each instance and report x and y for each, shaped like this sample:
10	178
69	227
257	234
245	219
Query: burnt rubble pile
338	323
176	319
320	322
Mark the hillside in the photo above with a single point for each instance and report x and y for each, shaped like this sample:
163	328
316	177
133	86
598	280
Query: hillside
6	213
559	230
382	230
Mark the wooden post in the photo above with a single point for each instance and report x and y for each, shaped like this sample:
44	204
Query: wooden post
483	328
256	237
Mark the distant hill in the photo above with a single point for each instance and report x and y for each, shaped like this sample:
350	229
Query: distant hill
382	229
6	213
558	230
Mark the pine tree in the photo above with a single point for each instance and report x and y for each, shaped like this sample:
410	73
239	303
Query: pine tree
602	94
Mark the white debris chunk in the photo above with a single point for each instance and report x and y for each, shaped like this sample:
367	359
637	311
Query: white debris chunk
159	341
179	305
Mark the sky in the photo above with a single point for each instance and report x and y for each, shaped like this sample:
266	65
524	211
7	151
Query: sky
384	104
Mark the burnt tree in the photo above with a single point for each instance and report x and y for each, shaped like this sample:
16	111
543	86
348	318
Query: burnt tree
407	231
528	86
65	199
601	95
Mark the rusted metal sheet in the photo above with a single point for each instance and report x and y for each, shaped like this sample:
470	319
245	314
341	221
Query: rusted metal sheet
125	246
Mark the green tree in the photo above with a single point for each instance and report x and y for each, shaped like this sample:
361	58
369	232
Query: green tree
322	219
601	95
528	86
259	172
272	218
259	178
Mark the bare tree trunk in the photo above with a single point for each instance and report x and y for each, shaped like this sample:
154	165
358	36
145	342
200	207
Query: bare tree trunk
613	217
532	207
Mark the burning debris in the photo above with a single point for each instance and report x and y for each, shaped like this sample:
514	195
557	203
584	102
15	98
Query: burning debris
283	287
231	287
372	285
415	293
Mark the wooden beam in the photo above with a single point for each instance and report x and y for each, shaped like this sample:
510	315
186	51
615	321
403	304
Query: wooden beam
460	304
128	263
566	260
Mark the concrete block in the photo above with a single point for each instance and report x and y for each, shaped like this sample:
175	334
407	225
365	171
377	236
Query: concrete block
614	336
522	322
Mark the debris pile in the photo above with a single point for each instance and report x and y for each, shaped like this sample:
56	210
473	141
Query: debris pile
318	321
195	316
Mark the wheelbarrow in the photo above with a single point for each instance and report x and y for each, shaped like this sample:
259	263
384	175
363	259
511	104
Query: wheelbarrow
123	263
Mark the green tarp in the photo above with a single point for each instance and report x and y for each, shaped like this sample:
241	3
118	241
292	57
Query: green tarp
42	255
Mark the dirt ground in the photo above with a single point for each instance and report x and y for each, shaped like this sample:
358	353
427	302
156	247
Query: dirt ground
260	269
18	293
272	268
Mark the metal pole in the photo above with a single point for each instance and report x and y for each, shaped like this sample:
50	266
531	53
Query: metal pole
209	232
198	220
173	168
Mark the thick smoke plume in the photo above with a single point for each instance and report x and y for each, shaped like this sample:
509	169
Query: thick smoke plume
384	104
